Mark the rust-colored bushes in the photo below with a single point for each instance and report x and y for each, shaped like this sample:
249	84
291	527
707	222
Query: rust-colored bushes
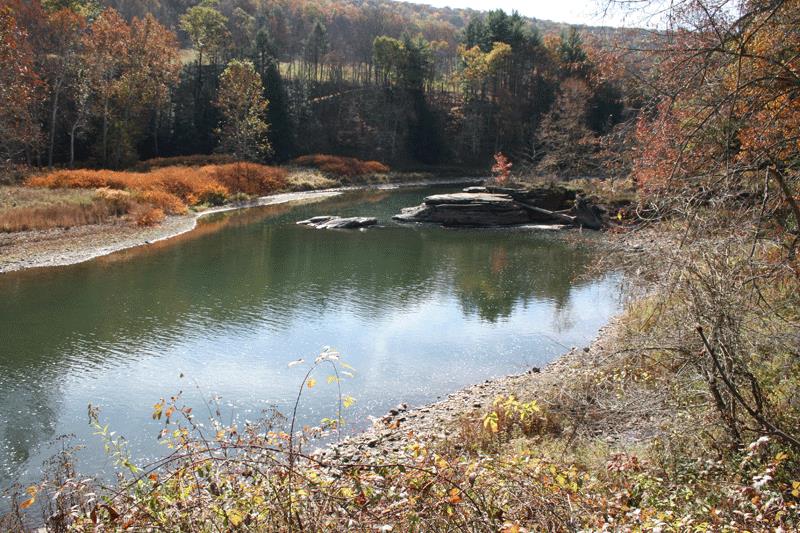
248	178
344	167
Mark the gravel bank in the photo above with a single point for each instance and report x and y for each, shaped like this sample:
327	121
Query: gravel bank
60	247
388	437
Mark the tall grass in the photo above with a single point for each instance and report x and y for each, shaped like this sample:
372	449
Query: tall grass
58	216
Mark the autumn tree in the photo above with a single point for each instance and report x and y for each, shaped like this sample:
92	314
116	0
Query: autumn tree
718	154
62	61
567	143
106	47
317	46
153	68
19	85
207	29
243	127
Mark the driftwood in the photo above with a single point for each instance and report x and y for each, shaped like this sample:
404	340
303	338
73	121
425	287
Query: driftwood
552	214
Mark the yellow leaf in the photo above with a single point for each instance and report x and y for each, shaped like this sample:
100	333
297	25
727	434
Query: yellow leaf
235	517
27	503
332	379
348	401
311	382
455	496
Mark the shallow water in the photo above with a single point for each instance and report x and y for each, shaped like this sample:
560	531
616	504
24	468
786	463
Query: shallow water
418	312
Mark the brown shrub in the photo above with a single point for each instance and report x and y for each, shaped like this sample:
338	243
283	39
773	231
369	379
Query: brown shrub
249	178
189	185
344	167
165	190
169	203
79	179
118	202
148	216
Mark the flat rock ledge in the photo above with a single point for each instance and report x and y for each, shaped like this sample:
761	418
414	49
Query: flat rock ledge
334	222
494	206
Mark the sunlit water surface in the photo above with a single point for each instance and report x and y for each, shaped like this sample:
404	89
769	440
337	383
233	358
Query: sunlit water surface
418	312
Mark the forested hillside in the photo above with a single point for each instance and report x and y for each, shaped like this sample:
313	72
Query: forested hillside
108	83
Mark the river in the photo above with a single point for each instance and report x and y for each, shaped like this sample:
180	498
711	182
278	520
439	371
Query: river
417	311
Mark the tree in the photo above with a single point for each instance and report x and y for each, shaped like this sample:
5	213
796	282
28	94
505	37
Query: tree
567	142
570	51
387	54
106	52
19	85
62	61
207	29
243	127
153	68
317	46
718	153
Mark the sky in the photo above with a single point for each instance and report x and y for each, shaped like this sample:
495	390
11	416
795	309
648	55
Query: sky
569	11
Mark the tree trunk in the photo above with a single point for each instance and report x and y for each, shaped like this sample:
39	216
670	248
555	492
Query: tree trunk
72	144
156	124
53	116
105	130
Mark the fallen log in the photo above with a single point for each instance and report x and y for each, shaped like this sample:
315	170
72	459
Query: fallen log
553	214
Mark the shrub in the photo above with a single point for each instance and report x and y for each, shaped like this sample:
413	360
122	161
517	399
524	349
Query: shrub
343	167
169	190
249	178
118	202
169	203
79	179
148	216
212	194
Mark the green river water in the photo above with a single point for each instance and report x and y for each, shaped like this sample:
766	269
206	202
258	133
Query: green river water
418	311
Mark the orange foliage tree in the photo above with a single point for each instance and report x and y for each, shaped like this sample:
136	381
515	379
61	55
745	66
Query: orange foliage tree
19	84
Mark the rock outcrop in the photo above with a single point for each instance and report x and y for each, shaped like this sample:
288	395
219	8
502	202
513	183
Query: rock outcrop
467	209
334	222
496	206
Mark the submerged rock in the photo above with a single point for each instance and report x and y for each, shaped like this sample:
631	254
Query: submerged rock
334	222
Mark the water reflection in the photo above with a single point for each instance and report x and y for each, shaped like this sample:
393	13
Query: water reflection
420	311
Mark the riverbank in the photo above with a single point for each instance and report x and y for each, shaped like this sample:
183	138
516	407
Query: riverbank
437	424
63	247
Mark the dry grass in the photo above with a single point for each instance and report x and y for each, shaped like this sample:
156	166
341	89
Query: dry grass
309	180
61	215
342	167
18	197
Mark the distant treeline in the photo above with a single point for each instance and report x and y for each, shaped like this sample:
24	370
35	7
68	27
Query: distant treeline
110	83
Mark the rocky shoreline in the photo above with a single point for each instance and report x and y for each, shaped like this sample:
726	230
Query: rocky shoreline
389	436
